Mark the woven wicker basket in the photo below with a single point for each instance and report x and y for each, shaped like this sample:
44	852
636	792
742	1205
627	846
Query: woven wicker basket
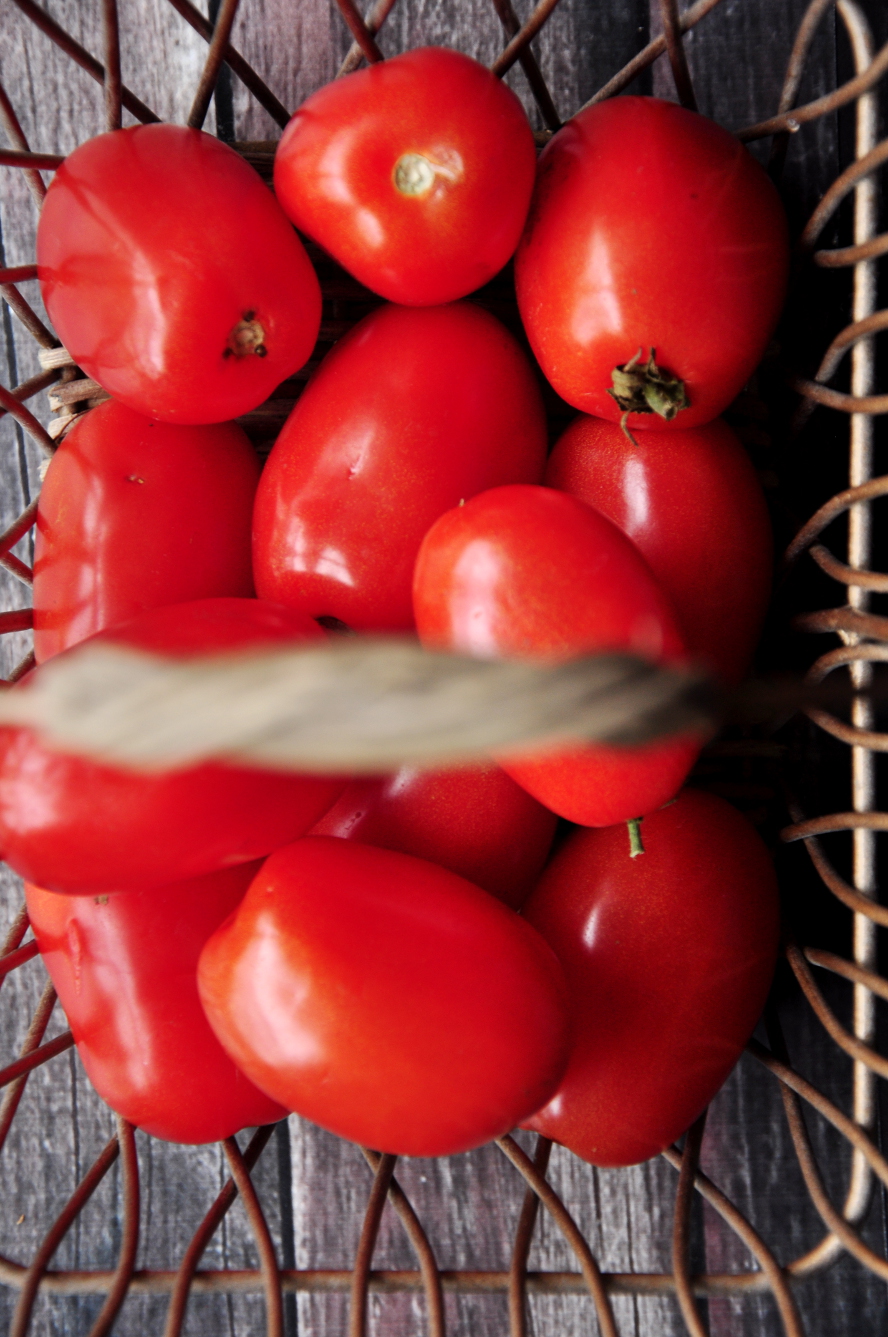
747	767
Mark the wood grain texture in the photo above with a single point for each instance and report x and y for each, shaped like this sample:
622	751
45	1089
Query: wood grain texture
468	1204
48	1149
578	49
747	1151
295	48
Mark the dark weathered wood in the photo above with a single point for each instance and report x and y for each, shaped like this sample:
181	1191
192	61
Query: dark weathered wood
46	1147
470	1204
747	1151
296	49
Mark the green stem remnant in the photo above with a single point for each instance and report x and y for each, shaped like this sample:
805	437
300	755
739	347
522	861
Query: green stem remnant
646	388
625	430
635	845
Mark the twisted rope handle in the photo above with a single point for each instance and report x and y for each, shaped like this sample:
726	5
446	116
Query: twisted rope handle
354	705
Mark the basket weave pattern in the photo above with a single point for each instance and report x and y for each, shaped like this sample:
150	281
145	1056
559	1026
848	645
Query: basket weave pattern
864	641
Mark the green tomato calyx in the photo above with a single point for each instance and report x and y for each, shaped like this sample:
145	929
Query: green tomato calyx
643	387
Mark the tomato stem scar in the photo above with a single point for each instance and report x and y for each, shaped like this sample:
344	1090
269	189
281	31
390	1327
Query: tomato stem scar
247	337
414	174
635	844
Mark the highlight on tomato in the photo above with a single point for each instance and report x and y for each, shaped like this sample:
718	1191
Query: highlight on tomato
690	501
669	956
532	573
135	513
413	411
172	276
415	174
125	968
653	265
386	999
79	826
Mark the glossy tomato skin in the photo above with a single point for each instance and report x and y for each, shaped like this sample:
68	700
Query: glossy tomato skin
669	957
125	969
474	820
458	142
692	504
529	572
386	999
411	412
73	825
134	513
650	227
172	276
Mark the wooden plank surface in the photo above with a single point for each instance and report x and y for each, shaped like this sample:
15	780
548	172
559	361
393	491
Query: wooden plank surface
468	1204
62	1124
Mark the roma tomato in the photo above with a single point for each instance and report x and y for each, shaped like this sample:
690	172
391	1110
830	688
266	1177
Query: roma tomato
386	999
528	572
74	825
652	231
135	513
125	969
691	503
474	820
411	412
172	276
669	957
415	174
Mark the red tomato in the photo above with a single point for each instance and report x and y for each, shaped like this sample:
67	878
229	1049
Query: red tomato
528	572
386	999
125	969
172	276
474	820
413	411
135	513
669	957
651	229
416	174
691	503
76	826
